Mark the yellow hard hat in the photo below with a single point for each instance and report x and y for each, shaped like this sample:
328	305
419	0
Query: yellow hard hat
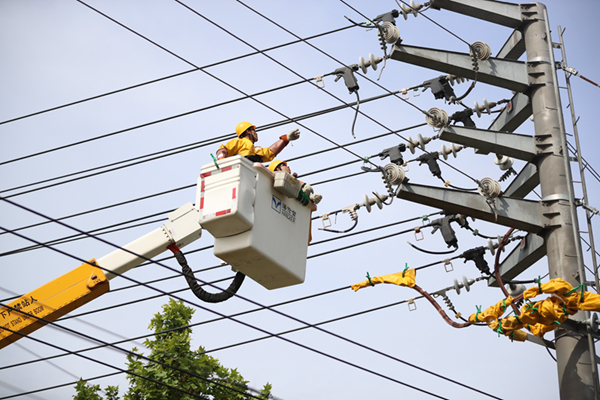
242	126
274	164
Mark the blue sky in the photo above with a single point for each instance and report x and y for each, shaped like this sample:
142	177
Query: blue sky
59	52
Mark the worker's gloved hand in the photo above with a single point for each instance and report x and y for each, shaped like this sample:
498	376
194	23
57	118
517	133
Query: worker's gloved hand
316	198
307	189
293	135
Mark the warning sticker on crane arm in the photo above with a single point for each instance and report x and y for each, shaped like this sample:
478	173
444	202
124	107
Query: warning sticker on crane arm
281	208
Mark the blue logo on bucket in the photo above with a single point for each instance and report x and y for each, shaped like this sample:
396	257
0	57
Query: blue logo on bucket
276	204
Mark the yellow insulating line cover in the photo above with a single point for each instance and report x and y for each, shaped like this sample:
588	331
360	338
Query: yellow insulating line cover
573	300
542	316
406	278
51	301
492	313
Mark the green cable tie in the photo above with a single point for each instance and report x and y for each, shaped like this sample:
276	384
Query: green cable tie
503	305
573	290
405	268
475	232
424	218
499	330
557	323
517	318
530	307
564	310
511	336
365	160
477	314
369	278
539	282
215	161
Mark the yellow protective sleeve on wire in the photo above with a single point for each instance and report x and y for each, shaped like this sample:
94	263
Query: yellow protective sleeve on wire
556	286
406	278
542	316
591	302
573	299
492	313
507	330
549	312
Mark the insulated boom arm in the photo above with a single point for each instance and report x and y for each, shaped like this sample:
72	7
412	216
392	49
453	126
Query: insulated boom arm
90	280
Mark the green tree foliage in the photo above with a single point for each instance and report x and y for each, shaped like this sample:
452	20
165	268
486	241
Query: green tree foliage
176	365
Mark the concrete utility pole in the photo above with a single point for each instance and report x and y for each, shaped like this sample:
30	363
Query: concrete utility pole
552	222
563	246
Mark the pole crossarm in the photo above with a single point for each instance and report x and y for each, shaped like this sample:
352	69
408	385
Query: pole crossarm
515	213
513	48
484	141
513	116
527	180
506	74
531	249
501	13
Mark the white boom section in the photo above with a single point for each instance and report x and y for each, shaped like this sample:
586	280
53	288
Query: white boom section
182	228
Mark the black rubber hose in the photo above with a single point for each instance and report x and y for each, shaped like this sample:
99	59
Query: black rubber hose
203	294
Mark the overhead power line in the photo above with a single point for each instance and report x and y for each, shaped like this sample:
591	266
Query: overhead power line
252	302
173	151
219	63
215	312
338	61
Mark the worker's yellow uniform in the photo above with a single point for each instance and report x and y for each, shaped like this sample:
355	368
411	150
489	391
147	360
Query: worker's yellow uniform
246	148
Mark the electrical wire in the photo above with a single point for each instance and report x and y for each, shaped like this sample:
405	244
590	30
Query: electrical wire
182	327
137	355
122	304
72	144
259	305
333	58
225	316
97	231
252	97
217	319
174	75
178	150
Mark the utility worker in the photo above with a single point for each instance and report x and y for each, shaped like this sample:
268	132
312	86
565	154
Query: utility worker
279	165
244	144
